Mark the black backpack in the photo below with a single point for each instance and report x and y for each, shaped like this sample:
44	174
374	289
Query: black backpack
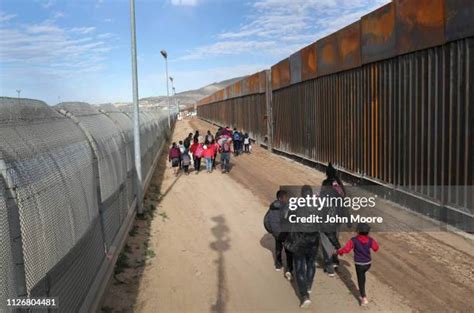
266	222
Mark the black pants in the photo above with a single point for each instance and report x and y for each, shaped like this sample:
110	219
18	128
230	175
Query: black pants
197	163
214	161
236	147
329	260
247	147
361	270
305	268
278	258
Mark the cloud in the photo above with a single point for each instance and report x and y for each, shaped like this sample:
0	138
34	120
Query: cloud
47	3
228	48
58	15
4	17
184	2
51	51
99	3
280	27
83	30
108	20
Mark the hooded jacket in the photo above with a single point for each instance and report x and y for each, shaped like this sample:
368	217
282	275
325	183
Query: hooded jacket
361	245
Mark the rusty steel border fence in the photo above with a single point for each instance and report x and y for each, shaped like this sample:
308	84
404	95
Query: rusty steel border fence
388	99
244	113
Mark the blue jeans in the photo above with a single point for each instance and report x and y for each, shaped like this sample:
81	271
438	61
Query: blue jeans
305	269
209	164
225	160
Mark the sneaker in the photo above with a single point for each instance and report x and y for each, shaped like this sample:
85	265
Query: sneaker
305	303
364	301
330	270
310	291
278	267
288	275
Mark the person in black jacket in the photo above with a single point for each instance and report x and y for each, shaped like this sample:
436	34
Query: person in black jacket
303	242
187	142
332	187
274	222
196	135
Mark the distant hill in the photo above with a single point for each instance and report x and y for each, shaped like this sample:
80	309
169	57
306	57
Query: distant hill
186	99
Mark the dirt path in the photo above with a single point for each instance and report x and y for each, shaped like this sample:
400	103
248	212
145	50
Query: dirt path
205	250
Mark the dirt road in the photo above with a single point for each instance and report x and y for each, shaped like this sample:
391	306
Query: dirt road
203	249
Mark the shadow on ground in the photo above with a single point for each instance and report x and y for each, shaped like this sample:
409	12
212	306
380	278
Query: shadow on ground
220	245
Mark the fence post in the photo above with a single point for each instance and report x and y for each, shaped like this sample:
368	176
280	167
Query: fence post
268	104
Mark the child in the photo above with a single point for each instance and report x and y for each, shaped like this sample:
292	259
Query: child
247	143
196	150
181	150
175	157
362	243
241	145
273	222
181	147
207	154
185	161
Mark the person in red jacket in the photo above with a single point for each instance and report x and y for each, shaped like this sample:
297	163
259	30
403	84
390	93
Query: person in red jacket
362	244
196	150
175	157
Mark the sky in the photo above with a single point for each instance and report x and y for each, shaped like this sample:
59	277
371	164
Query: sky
79	50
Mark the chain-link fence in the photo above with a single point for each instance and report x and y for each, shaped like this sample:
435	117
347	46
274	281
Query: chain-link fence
66	188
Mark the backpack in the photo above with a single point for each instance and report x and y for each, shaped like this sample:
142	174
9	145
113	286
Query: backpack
225	146
236	136
266	222
198	152
247	140
186	160
209	138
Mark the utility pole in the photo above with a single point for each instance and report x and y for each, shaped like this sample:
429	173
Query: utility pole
136	112
165	55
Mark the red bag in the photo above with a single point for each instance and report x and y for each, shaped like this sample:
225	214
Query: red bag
198	152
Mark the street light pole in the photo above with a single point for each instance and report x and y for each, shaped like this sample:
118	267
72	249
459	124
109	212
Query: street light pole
172	89
18	91
165	55
175	100
136	112
174	95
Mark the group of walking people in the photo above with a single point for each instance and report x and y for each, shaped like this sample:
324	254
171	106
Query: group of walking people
196	148
302	242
